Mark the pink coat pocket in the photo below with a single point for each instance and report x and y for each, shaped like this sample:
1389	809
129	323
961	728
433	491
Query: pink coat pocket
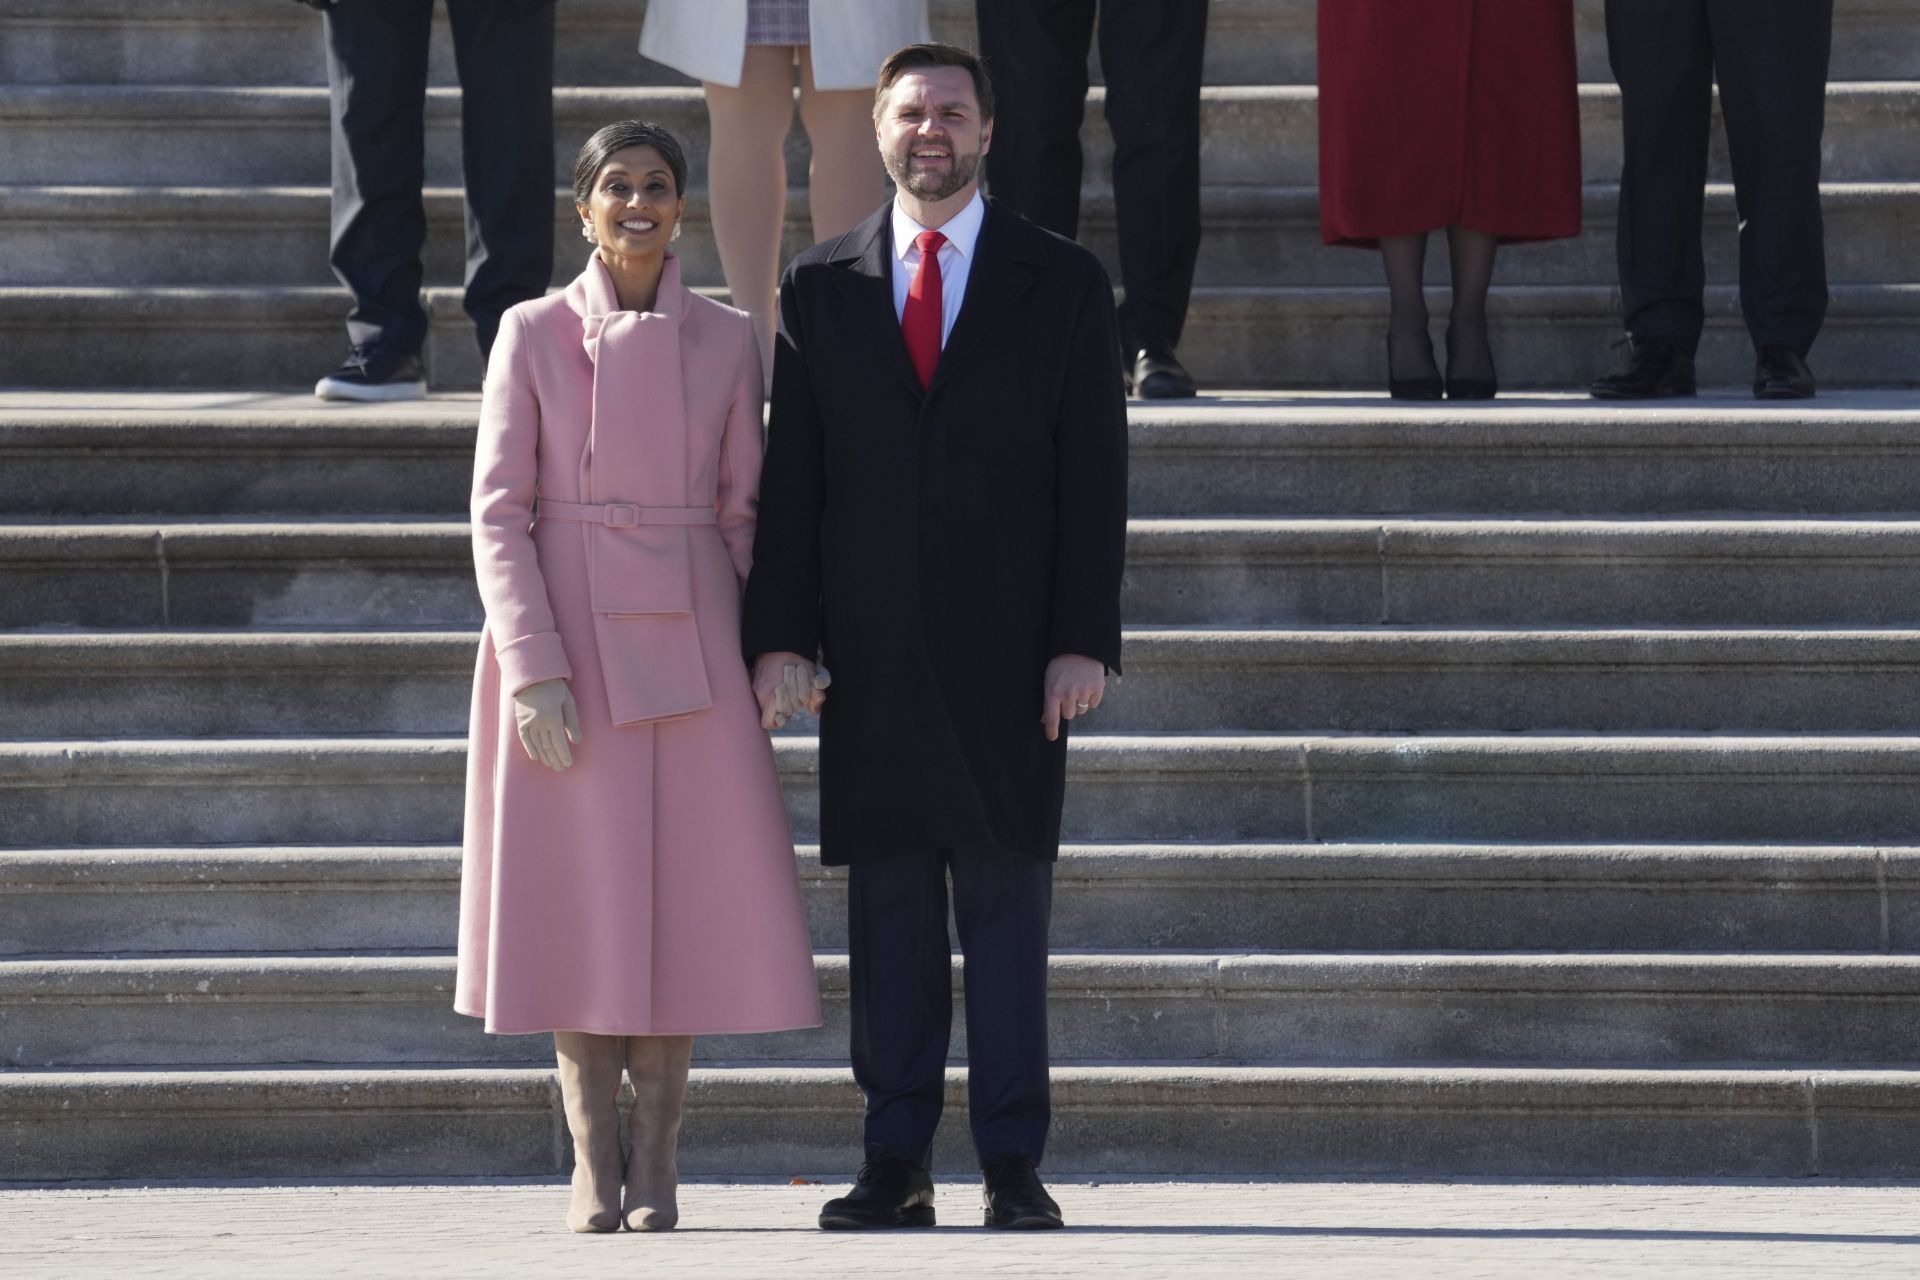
650	659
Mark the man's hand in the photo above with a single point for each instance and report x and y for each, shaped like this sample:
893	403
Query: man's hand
1073	687
547	718
785	684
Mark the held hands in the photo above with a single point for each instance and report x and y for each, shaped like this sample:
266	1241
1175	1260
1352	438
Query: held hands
787	684
1073	686
547	719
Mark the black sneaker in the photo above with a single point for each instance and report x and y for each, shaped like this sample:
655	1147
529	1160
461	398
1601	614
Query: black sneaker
889	1193
368	373
1656	370
1015	1199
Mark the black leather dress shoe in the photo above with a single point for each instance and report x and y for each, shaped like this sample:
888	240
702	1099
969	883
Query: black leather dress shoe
1781	374
1656	370
889	1193
1015	1199
1158	376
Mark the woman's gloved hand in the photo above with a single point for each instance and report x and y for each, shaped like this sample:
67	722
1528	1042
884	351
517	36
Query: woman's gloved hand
547	720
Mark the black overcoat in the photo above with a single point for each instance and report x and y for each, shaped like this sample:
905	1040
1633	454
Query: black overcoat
938	548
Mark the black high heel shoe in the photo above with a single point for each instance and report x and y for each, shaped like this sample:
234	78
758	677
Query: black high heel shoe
1423	388
1470	388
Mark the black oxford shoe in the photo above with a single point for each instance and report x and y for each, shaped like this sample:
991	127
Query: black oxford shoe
889	1193
1015	1199
1158	376
1780	374
1656	370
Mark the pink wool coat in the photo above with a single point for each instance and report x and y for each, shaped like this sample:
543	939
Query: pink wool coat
651	888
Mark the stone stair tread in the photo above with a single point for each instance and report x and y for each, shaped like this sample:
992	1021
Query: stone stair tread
1087	973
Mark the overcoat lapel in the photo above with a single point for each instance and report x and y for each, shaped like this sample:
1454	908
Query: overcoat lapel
867	255
1003	270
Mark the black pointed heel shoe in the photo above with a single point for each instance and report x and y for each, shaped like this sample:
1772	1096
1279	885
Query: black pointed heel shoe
1470	388
1423	388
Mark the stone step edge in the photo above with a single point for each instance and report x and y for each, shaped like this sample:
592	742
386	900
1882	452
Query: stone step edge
1072	973
268	106
1226	865
1252	756
446	650
443	542
58	1095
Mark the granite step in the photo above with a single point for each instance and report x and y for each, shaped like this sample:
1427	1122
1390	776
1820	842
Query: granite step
1372	680
92	453
1563	1121
1213	788
1778	899
273	338
1260	134
1255	235
241	42
1211	573
1163	1006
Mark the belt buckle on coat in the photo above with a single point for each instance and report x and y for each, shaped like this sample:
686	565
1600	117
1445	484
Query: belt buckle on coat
622	515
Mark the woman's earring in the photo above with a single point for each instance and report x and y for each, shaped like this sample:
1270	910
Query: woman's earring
586	231
676	232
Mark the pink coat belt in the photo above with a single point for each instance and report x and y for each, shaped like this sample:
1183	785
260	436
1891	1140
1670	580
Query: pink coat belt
623	515
640	575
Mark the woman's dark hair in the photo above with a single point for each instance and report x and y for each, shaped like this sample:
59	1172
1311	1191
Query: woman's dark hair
901	61
617	137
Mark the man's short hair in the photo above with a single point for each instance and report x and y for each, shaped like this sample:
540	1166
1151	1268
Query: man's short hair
915	56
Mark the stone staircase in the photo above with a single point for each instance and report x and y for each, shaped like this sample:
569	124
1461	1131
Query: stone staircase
1530	788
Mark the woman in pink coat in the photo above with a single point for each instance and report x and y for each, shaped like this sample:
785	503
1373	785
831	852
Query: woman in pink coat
628	878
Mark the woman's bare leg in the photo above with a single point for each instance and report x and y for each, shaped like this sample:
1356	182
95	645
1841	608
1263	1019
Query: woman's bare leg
747	180
847	181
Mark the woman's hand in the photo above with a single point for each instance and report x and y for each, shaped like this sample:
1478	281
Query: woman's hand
785	684
548	720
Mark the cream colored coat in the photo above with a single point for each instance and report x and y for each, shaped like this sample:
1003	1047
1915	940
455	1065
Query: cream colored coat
707	39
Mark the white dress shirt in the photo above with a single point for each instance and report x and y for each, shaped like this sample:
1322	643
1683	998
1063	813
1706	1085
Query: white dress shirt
956	259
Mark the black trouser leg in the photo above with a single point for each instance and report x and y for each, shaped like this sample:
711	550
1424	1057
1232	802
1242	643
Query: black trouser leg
1771	60
1150	55
1036	51
377	82
1662	56
1001	908
900	995
505	56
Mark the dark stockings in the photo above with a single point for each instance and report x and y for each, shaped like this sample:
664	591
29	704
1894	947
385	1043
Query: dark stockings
1469	350
1409	350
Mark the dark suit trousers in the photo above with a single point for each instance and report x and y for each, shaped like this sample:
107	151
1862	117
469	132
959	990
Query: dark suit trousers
902	997
1770	57
1150	55
377	73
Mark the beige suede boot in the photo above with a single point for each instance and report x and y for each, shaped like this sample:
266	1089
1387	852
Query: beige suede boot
657	1065
590	1088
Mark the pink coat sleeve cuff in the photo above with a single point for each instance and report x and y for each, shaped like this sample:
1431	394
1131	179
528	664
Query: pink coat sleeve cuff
531	659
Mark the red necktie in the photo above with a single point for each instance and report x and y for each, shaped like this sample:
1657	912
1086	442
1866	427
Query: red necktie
920	321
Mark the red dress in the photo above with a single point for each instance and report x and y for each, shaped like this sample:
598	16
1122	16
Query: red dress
1436	112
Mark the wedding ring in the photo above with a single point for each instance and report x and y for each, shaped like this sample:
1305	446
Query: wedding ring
1084	706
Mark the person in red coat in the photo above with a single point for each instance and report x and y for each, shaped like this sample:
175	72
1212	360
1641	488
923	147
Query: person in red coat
1463	114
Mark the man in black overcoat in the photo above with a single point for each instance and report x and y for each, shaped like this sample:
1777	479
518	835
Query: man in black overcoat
942	521
1770	59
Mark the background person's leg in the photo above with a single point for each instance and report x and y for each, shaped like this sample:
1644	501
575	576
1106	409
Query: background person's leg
1771	57
747	181
1662	56
846	180
505	56
1150	57
377	84
1036	52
